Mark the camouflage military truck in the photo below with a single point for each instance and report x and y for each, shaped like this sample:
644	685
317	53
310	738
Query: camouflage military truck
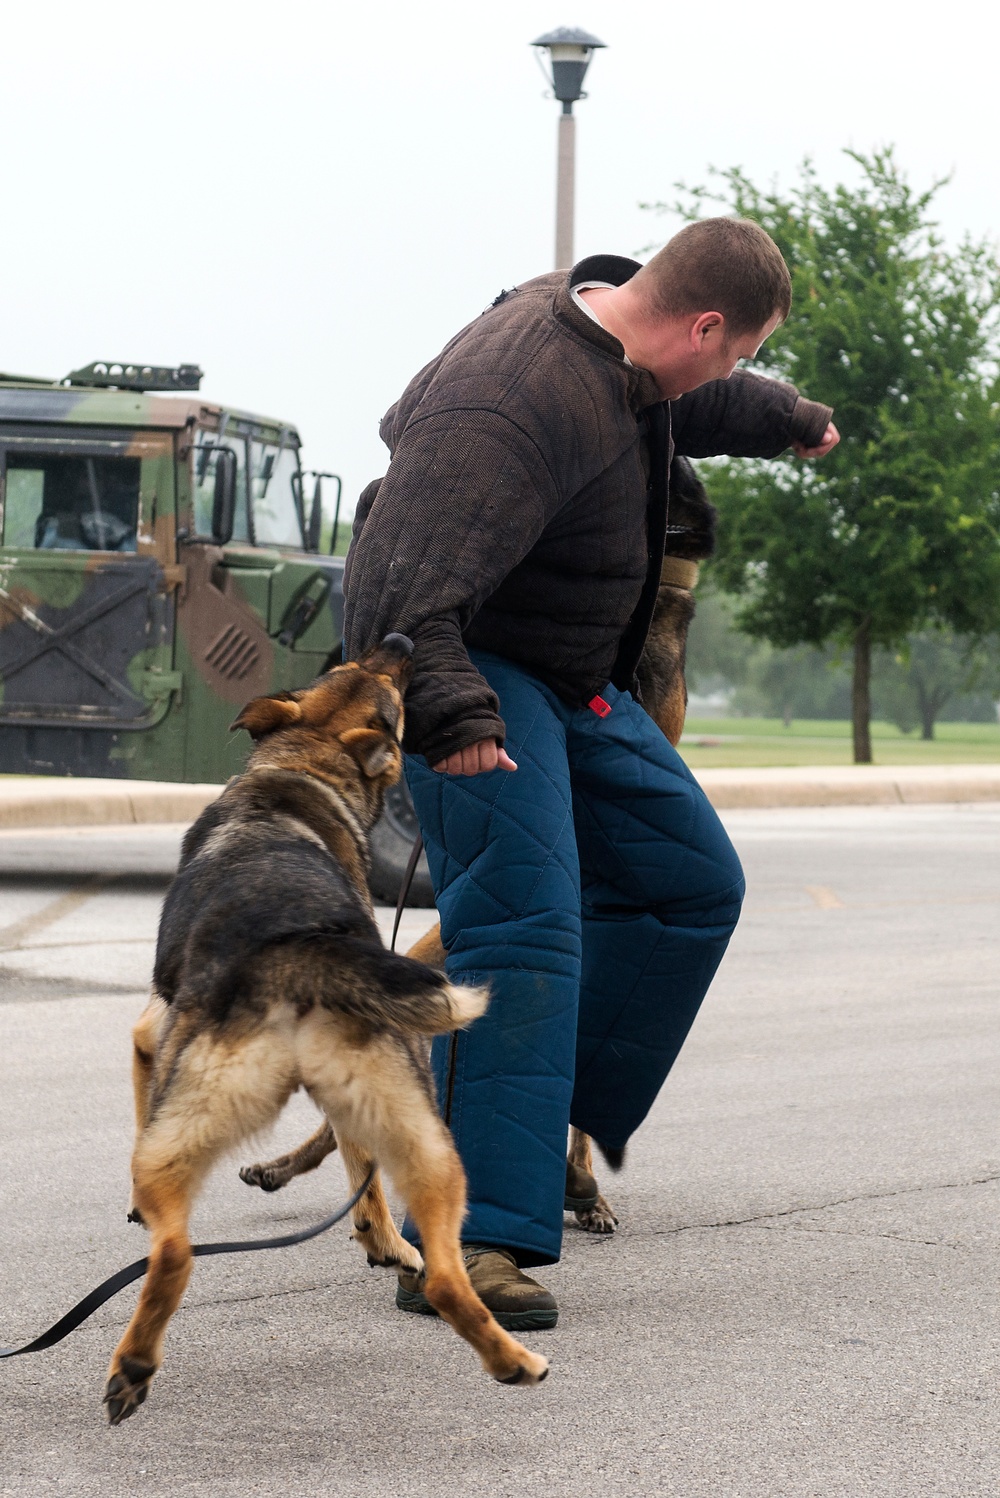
159	565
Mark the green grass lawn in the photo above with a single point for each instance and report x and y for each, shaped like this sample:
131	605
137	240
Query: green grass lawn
742	742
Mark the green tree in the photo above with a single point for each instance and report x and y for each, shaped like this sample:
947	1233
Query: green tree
914	684
898	529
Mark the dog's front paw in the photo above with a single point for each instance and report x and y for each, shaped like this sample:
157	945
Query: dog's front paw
597	1219
126	1388
267	1177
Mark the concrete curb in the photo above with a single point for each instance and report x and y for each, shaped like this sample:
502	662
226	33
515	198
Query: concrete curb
851	785
40	801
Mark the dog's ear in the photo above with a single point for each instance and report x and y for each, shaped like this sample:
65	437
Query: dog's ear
372	750
265	714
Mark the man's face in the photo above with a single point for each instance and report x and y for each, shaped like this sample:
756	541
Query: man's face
708	354
745	346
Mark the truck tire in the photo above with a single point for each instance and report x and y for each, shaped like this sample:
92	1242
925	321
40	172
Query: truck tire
391	845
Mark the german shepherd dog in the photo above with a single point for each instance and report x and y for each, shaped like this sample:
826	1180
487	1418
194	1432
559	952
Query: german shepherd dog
271	975
690	540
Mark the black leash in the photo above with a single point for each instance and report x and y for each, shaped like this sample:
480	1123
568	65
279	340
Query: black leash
404	888
90	1303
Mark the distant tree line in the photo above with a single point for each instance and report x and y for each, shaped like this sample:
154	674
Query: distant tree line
937	676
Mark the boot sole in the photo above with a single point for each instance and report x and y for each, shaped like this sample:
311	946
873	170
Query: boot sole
511	1321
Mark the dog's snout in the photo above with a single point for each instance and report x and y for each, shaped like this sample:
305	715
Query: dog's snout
400	645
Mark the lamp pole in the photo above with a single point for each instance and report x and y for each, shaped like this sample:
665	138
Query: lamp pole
570	51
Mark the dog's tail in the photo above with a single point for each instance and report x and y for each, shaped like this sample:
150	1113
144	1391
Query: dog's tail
360	978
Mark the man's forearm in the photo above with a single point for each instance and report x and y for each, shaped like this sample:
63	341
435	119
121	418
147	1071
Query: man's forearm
746	416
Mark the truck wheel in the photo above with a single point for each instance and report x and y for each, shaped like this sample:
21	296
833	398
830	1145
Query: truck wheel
391	845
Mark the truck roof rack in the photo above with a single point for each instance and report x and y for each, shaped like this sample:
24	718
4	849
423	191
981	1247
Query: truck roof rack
6	378
156	377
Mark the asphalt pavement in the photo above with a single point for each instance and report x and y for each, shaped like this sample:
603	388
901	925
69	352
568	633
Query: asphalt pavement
801	1298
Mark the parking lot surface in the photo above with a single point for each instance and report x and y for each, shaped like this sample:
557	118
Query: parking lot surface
801	1298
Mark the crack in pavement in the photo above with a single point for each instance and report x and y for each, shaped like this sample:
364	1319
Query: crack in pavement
765	1220
805	1227
845	1201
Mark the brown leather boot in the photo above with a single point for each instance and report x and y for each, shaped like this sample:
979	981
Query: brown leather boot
519	1304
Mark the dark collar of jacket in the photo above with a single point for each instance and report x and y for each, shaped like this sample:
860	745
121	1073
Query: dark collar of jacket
617	269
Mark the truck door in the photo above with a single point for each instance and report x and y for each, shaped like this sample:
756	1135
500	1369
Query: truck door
258	613
86	607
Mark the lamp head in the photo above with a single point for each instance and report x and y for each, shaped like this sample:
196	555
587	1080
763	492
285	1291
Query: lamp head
570	51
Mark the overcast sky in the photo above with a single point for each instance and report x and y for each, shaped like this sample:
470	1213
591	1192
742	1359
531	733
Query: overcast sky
309	200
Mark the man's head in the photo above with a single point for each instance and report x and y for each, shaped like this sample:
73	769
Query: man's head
706	300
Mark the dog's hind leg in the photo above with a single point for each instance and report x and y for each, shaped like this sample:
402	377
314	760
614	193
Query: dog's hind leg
146	1034
429	948
379	1098
593	1214
429	1175
374	1228
207	1094
273	1174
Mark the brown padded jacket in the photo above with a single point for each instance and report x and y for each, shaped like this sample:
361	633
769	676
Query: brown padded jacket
525	507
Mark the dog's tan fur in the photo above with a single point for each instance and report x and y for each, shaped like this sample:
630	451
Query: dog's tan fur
211	1068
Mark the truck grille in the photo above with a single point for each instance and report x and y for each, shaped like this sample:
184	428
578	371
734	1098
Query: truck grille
232	654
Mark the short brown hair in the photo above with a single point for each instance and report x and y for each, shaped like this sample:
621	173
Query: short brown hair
727	265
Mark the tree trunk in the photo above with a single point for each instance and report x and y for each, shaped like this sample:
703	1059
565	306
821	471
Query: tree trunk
861	694
928	712
931	703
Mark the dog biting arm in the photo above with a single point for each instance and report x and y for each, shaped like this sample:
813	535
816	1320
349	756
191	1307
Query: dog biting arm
466	497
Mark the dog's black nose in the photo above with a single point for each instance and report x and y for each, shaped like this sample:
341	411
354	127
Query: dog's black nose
398	644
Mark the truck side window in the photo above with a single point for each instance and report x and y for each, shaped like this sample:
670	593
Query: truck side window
274	482
204	488
58	503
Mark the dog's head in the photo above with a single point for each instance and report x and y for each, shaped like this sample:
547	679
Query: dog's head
347	726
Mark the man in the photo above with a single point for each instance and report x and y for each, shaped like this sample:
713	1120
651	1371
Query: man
518	538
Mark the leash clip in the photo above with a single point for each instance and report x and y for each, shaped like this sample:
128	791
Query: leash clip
599	706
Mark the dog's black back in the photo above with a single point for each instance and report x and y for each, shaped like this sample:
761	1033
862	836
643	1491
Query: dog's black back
255	884
248	881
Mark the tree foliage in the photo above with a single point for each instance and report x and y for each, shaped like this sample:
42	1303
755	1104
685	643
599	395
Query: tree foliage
898	529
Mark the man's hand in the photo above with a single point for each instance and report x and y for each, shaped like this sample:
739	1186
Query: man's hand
830	439
486	755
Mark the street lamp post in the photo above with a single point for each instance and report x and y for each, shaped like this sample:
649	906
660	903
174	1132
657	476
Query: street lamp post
570	51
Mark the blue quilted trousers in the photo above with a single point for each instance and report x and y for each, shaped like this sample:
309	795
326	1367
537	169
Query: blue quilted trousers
595	891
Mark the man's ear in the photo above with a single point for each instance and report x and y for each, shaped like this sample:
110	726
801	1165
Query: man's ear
708	327
372	750
266	714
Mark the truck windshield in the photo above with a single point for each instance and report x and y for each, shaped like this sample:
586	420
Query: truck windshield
58	503
273	490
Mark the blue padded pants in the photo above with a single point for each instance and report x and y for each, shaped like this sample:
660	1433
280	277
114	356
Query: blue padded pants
595	891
